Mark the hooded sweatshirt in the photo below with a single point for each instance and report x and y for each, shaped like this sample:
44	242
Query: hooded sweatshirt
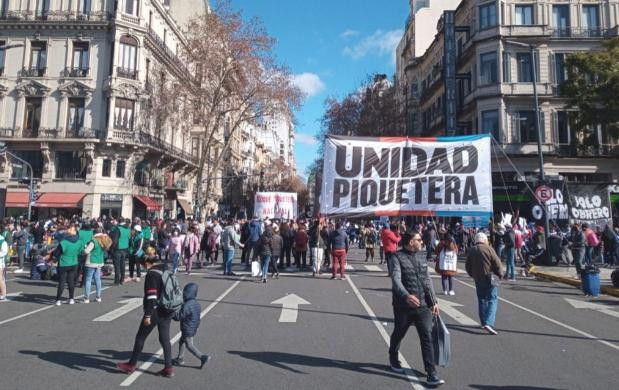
189	314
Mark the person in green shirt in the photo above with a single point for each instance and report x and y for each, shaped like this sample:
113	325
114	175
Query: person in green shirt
136	251
120	235
85	236
95	258
67	256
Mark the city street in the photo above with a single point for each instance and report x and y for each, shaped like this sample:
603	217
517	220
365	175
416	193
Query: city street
324	334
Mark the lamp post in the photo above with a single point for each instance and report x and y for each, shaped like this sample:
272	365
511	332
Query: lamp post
540	155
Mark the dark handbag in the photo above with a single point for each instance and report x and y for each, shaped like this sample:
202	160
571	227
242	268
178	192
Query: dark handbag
441	342
493	280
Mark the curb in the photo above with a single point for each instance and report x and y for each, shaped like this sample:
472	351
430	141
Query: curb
608	290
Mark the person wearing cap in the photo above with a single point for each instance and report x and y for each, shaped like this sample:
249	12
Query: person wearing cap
136	251
484	266
414	303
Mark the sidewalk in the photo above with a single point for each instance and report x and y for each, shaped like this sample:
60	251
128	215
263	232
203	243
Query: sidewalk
567	275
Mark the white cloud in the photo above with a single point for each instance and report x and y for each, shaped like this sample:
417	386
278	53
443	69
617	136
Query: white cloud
305	139
349	34
309	83
380	43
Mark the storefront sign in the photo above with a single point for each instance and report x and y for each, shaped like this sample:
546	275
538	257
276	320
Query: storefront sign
111	198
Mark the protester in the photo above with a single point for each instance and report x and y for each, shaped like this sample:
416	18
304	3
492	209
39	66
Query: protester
120	235
4	252
85	235
338	241
288	236
577	245
229	240
189	317
66	254
369	241
154	315
509	244
447	262
414	302
591	243
95	258
608	240
318	241
484	266
136	251
300	247
390	238
20	238
277	246
191	246
430	241
217	229
175	248
265	250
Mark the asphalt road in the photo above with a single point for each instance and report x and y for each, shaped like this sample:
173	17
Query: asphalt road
337	342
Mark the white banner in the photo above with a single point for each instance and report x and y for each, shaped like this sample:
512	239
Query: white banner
446	176
278	205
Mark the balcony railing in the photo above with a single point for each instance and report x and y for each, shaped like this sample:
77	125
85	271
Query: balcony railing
146	179
48	132
150	140
30	132
85	132
33	71
76	72
604	150
162	46
574	32
25	15
70	173
129	18
127	73
7	132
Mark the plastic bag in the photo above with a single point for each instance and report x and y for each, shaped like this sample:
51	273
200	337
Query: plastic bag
255	269
441	342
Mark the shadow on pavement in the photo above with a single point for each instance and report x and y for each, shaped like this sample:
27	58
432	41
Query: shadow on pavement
480	332
46	299
284	360
488	387
76	361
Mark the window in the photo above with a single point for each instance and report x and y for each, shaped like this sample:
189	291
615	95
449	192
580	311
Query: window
528	133
128	52
42	9
32	118
507	70
123	114
131	7
4	7
561	20
75	121
70	165
120	168
487	16
490	123
107	168
2	43
34	158
488	68
38	59
84	7
525	70
524	14
563	128
591	20
560	70
80	61
195	147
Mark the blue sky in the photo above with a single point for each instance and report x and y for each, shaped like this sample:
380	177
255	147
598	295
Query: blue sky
330	47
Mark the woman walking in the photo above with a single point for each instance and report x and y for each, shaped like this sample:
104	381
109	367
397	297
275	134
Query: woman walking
447	262
339	248
95	258
277	247
136	251
67	254
265	250
191	245
154	315
174	249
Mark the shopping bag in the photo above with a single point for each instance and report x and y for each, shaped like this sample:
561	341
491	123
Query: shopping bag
440	342
255	269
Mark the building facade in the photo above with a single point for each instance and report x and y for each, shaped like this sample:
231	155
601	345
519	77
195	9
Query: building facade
77	90
476	77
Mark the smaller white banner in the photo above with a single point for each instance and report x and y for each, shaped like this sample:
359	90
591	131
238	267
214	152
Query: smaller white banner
278	205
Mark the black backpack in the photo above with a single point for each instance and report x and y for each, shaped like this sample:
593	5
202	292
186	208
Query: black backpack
509	239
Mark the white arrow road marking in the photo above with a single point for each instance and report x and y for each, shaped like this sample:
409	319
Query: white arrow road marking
592	306
373	268
290	307
130	304
9	297
448	308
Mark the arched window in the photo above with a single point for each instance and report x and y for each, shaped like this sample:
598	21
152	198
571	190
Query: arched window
127	59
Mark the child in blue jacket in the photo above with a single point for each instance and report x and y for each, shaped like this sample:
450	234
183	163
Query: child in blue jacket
189	317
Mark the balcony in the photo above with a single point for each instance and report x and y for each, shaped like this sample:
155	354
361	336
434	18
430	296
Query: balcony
70	174
129	18
7	132
127	73
147	139
52	16
604	150
33	71
45	132
85	132
161	45
574	32
76	72
530	30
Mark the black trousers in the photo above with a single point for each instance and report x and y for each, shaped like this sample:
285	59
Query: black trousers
216	253
274	261
162	322
422	319
300	259
134	264
66	275
120	256
287	252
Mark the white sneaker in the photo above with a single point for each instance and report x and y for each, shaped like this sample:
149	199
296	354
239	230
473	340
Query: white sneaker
445	292
452	292
58	303
137	280
19	271
86	300
71	301
490	330
98	300
2	298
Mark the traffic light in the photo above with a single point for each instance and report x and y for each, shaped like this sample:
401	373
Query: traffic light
34	194
2	147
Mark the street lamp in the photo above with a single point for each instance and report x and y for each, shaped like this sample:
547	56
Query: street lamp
538	130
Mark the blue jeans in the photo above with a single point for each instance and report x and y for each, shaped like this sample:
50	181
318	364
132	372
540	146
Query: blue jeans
510	260
487	298
228	256
174	258
588	254
264	263
90	272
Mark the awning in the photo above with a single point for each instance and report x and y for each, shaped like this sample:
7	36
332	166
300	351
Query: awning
60	200
185	206
150	203
16	199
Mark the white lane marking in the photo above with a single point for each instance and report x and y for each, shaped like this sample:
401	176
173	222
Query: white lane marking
290	307
11	296
373	268
349	267
449	308
144	367
51	306
412	378
592	306
568	327
129	305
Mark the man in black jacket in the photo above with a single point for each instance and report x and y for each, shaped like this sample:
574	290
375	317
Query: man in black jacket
414	302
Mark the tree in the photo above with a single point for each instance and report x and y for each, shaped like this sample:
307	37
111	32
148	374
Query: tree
592	88
237	81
